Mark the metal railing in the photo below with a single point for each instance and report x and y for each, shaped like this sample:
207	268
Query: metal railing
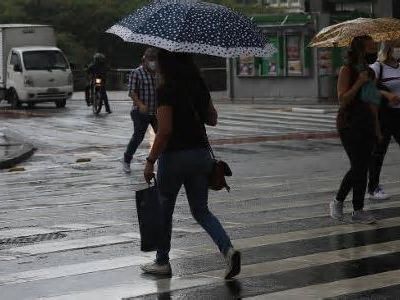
117	79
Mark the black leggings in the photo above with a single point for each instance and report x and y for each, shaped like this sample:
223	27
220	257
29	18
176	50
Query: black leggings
390	126
358	147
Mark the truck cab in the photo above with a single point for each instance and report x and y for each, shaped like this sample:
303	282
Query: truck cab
32	68
38	74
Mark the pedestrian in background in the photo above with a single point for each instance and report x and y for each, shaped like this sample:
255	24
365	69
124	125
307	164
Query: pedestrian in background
357	126
387	70
98	68
181	148
142	90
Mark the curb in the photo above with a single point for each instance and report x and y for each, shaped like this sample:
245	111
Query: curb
23	153
284	137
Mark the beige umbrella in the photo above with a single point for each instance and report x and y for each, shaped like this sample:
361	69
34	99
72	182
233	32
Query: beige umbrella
341	34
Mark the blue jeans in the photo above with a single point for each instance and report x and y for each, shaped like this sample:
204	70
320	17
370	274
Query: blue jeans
140	124
189	168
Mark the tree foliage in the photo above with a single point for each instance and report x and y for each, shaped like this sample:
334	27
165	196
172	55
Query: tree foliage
79	24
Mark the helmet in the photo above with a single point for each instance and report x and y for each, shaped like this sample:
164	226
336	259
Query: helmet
98	57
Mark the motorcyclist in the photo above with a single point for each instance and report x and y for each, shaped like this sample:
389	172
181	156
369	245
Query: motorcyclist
98	68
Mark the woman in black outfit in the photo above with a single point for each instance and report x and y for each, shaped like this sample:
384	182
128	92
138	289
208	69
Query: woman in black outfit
180	146
357	126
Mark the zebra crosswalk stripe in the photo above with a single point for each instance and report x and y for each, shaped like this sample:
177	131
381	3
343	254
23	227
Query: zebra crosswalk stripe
337	288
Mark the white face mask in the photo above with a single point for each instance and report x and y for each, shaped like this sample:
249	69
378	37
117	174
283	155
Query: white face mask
152	65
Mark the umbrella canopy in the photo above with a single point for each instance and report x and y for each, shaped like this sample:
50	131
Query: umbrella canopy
194	27
341	35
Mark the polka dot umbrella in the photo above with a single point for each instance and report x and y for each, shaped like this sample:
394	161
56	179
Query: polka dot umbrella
194	27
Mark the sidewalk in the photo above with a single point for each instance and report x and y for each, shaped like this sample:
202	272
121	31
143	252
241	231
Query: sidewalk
13	149
304	105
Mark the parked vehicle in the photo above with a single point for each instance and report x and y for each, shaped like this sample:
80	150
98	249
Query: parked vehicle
32	68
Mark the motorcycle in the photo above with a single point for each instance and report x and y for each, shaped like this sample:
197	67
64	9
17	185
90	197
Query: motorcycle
96	94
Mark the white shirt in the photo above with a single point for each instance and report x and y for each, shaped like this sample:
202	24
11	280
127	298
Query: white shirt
390	77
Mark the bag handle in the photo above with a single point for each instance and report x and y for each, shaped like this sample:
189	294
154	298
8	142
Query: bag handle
380	72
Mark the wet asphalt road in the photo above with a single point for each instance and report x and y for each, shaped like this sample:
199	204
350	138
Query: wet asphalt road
69	230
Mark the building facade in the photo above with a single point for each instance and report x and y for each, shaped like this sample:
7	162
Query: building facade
296	70
288	5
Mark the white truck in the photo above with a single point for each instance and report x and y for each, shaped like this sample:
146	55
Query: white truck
32	68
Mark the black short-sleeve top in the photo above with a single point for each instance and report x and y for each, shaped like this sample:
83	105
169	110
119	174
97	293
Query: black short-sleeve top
189	101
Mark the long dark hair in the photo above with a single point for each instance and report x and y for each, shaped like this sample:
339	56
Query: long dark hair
177	69
357	50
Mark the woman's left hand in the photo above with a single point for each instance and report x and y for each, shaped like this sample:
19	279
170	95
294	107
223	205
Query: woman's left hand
395	99
148	172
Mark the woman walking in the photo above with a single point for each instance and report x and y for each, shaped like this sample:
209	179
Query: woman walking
180	146
387	70
357	126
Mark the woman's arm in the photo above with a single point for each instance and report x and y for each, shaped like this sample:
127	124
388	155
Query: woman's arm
346	91
393	98
375	111
164	131
212	115
139	103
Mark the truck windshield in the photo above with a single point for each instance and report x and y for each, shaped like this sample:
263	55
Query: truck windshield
44	60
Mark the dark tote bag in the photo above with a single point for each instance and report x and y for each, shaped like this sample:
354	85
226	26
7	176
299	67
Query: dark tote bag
148	211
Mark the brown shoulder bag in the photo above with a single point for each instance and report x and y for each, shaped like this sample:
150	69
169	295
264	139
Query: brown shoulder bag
220	169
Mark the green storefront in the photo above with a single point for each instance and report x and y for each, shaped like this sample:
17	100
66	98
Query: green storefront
295	70
290	72
290	34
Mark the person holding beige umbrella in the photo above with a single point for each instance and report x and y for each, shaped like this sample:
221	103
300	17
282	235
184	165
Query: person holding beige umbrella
359	98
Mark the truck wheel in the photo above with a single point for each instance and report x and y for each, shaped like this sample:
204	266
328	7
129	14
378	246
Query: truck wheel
14	100
61	103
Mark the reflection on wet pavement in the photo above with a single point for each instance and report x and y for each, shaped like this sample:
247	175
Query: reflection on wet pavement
276	214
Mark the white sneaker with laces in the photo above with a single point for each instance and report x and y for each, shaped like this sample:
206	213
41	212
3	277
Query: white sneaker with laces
126	167
157	269
336	209
379	194
362	217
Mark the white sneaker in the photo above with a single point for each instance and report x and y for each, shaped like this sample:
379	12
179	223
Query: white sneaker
336	209
363	217
126	167
157	269
233	263
378	194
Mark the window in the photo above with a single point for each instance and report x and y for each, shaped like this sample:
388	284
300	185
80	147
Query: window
365	7
293	55
15	59
246	66
273	2
44	60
